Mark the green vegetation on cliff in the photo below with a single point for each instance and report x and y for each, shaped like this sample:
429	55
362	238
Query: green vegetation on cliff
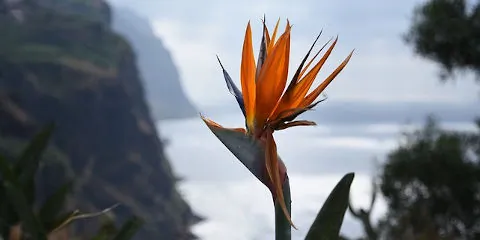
60	65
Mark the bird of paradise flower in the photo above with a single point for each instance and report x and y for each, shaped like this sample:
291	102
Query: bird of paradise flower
268	106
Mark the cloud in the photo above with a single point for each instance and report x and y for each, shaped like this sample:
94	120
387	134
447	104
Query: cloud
382	69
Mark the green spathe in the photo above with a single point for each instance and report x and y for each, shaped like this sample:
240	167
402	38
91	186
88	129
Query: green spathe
251	154
246	149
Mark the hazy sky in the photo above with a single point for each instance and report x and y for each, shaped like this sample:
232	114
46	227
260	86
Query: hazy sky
383	68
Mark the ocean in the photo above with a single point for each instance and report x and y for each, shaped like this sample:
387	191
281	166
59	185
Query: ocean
237	206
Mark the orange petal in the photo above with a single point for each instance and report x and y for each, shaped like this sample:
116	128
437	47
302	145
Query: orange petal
288	99
242	130
269	162
247	77
272	165
289	115
211	123
296	123
272	40
272	79
314	94
302	87
310	62
296	76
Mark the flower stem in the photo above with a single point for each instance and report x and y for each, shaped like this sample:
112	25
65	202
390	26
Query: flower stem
282	225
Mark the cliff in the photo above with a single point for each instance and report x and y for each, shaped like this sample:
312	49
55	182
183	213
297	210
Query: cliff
58	64
162	81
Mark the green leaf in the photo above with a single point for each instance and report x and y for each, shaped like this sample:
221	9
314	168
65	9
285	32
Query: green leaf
246	149
129	229
102	235
27	165
329	220
27	162
8	216
53	206
107	229
17	199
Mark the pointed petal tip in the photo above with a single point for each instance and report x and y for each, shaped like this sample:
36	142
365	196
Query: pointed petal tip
288	27
202	117
293	225
347	59
350	55
318	36
221	65
210	123
336	40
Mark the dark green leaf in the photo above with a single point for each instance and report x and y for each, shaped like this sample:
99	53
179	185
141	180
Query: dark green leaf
129	229
53	206
6	170
8	216
102	235
107	230
27	165
15	196
329	220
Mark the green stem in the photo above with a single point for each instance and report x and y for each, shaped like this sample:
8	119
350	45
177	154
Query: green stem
283	230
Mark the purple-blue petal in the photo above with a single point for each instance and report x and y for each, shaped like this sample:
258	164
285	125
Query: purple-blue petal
233	88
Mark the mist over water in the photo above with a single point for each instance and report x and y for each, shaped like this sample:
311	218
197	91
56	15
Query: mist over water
219	188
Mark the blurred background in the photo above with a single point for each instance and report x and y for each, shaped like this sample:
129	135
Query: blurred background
124	81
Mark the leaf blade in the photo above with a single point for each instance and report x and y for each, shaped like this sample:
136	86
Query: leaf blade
129	228
329	220
18	200
52	207
27	164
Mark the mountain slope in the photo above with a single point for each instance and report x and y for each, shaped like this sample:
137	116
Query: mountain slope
162	81
59	63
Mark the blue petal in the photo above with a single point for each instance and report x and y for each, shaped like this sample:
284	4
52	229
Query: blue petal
233	89
263	51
